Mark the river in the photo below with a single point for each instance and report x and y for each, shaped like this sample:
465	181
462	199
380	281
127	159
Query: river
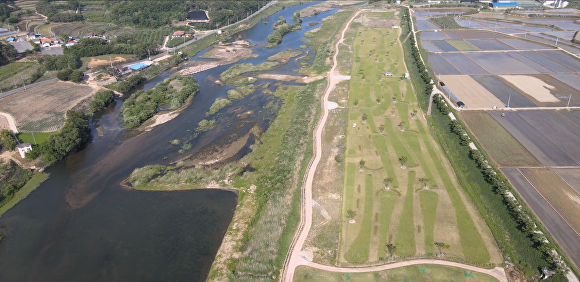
81	225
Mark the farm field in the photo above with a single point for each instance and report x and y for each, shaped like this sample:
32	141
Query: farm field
463	64
419	272
489	44
502	91
43	108
499	143
398	188
470	92
462	45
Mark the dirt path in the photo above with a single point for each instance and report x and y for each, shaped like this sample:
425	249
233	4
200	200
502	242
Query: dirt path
11	122
306	210
498	272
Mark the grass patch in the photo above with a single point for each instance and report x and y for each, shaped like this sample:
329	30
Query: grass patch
240	69
241	92
428	201
284	56
358	252
31	185
388	201
462	45
405	237
38	137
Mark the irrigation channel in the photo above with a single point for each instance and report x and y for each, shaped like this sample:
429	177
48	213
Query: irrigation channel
81	225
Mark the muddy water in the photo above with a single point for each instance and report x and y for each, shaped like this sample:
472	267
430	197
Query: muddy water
81	225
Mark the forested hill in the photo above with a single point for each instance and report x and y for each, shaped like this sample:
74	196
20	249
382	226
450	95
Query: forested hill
149	13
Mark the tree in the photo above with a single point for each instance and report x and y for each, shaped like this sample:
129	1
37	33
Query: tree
402	125
403	160
441	246
391	248
64	37
381	128
64	74
387	182
351	214
8	140
362	163
365	117
424	181
76	76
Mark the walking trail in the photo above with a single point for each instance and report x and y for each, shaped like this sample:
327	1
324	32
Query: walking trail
294	259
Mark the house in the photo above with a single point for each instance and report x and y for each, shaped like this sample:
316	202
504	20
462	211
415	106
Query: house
70	43
178	33
90	35
23	148
389	73
46	42
121	69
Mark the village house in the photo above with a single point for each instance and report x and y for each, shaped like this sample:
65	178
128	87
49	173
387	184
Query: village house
23	148
46	42
179	33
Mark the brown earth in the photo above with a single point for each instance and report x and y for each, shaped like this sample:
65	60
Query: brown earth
96	62
470	92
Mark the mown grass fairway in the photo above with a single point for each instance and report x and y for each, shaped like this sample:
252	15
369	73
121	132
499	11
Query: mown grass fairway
419	272
397	183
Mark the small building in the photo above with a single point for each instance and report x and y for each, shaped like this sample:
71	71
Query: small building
70	43
140	66
119	70
178	33
23	148
503	5
389	73
90	34
46	42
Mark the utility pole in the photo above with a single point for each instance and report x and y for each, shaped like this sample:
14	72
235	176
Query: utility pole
110	61
509	99
23	82
149	52
569	98
557	40
34	138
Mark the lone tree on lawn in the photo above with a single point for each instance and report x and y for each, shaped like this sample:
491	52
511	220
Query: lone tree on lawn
441	246
391	249
424	181
351	214
402	161
387	181
381	128
402	125
361	164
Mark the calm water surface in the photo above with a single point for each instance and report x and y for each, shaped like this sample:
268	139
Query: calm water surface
81	225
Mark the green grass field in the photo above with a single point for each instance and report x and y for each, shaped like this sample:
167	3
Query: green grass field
498	143
422	272
38	137
408	215
462	45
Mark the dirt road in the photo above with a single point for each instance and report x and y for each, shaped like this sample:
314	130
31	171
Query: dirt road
11	123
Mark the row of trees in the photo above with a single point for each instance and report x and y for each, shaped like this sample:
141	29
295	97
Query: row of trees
12	178
74	134
90	47
69	74
102	100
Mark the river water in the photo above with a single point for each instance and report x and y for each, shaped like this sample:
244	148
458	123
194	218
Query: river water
81	225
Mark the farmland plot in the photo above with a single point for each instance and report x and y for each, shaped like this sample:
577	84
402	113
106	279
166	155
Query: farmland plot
463	64
500	63
441	66
432	35
444	46
43	108
520	44
473	34
571	79
489	45
470	92
499	143
557	67
462	45
426	25
533	64
563	58
557	192
429	46
546	152
503	91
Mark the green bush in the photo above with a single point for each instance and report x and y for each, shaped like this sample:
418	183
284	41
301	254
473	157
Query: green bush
102	100
8	140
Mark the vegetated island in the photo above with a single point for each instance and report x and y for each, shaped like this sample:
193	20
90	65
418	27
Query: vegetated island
281	28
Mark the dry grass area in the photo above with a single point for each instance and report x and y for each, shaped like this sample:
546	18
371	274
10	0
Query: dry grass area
224	53
470	92
42	109
558	193
3	123
533	86
97	62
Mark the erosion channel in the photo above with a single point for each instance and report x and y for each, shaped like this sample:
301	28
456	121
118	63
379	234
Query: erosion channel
83	225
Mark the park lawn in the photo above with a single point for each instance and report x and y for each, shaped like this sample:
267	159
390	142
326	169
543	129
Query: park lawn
370	120
388	201
398	145
403	110
349	186
36	137
474	248
461	45
428	200
405	237
382	148
358	252
31	185
421	272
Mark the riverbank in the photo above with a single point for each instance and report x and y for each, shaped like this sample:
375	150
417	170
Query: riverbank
23	192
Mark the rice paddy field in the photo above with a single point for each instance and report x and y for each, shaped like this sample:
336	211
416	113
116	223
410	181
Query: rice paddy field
43	108
398	186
